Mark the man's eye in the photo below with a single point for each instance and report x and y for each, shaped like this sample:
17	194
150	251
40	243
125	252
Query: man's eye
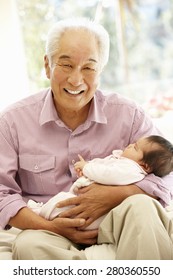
67	65
89	69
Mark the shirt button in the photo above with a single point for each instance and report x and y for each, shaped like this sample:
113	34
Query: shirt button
73	161
36	167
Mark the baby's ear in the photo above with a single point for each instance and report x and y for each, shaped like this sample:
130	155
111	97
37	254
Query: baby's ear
146	167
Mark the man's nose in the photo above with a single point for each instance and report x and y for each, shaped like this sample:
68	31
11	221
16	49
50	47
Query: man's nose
76	77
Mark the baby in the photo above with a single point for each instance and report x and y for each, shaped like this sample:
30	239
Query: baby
153	154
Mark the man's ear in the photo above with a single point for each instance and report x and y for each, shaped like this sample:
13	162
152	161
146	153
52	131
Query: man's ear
46	66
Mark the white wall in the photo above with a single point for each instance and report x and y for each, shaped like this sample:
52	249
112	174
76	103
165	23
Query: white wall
165	125
13	74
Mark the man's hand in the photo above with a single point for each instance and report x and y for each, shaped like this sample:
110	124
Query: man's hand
96	200
91	203
70	228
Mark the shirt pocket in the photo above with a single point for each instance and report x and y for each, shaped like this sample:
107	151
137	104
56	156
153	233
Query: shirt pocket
37	173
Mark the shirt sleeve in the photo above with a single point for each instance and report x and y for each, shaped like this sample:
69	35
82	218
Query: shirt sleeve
159	187
10	193
117	172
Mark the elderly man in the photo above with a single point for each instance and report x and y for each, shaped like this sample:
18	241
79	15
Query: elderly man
40	139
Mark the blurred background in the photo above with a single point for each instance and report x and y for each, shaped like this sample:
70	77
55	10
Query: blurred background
141	55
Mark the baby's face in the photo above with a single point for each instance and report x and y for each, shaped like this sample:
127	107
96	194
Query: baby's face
135	151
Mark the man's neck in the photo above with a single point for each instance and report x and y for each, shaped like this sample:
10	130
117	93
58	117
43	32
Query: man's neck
72	119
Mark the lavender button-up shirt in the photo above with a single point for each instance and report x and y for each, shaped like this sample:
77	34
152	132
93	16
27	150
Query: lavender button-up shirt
37	149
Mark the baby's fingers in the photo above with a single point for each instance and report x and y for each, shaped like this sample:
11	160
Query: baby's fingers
80	157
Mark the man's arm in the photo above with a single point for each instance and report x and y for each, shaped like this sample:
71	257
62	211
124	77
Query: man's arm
27	219
157	186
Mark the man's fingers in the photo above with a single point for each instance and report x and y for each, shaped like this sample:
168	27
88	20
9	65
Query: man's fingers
76	223
72	212
68	202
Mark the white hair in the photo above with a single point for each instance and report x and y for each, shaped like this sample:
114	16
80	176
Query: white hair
93	27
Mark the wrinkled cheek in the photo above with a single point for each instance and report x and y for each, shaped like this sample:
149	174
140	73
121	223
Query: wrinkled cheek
56	77
95	83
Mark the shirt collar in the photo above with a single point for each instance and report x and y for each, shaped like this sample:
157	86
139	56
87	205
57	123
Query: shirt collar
48	112
96	113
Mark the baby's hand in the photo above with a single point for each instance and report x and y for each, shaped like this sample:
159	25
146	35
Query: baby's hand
79	172
79	165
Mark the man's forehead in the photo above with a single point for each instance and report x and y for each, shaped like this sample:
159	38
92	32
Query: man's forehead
64	56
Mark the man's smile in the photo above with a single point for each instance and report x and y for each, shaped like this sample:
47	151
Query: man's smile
74	92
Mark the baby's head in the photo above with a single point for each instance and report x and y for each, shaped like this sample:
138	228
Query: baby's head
154	153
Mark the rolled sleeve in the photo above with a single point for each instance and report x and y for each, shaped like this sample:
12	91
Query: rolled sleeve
159	187
14	204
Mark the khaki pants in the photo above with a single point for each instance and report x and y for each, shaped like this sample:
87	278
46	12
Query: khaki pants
138	229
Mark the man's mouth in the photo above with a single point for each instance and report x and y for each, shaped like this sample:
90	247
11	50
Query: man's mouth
74	92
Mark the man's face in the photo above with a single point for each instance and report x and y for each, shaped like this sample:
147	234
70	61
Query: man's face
74	71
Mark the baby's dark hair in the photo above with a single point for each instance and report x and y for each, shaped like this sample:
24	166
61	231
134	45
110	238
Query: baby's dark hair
160	159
